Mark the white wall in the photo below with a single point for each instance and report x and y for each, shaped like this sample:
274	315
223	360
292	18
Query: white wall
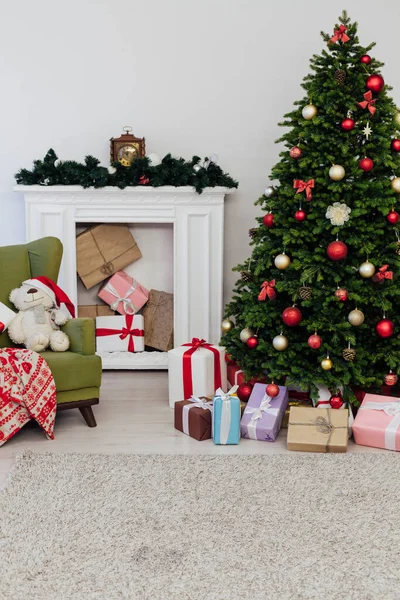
192	77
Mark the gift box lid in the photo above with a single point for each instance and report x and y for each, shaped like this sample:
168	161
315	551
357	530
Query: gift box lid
317	430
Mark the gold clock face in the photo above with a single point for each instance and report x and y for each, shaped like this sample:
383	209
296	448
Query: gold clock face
126	154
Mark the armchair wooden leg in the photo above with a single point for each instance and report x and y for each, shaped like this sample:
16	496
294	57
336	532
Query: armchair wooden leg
87	414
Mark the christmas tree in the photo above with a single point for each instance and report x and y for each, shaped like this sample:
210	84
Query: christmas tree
318	301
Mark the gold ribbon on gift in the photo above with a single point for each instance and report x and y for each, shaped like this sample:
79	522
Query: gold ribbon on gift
324	426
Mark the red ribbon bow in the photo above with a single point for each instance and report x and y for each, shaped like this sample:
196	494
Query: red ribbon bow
383	274
302	186
267	290
194	345
339	34
143	180
368	102
123	333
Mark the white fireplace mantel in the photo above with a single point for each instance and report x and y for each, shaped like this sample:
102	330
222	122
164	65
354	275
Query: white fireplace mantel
198	221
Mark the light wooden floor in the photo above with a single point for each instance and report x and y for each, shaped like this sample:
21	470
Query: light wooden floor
133	417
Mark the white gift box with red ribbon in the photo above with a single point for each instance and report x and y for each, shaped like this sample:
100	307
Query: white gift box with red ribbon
120	333
6	316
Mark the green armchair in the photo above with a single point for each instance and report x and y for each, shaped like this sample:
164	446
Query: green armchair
77	372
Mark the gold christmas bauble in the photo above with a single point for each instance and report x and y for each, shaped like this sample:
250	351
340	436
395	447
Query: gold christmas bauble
309	111
282	261
336	172
395	183
280	342
245	334
227	325
356	317
366	269
397	118
326	364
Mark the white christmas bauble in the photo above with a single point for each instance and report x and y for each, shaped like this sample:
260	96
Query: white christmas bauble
57	162
196	168
154	159
366	269
395	183
309	111
111	170
280	342
356	317
269	191
282	261
336	172
245	334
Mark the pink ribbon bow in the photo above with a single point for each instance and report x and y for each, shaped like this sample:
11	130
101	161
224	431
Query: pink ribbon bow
304	186
267	290
383	273
339	34
368	102
144	180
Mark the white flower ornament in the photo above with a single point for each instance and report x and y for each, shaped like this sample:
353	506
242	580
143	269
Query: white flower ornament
338	213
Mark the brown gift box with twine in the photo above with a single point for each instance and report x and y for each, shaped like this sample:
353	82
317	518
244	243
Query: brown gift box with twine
317	429
103	250
91	311
285	420
159	321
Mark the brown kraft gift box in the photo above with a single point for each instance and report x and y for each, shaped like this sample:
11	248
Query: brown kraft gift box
317	429
91	311
159	321
199	419
103	250
285	421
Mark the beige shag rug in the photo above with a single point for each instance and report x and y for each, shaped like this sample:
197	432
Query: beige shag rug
283	527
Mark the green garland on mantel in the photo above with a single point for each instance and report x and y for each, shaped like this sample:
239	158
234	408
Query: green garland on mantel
171	171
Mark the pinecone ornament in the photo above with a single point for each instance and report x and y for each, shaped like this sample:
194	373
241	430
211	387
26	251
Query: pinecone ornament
253	232
305	292
349	354
340	76
246	276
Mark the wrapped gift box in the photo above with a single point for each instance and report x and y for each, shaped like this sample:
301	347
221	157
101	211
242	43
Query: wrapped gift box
263	415
159	321
285	420
91	311
236	376
377	422
120	333
194	417
6	316
226	418
313	430
124	294
195	369
103	250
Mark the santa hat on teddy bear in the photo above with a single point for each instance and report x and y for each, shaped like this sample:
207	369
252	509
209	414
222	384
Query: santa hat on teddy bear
56	293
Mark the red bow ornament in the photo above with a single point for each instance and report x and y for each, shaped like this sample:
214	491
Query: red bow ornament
368	102
340	35
144	180
267	289
382	274
304	186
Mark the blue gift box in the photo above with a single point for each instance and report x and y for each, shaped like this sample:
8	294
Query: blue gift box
226	417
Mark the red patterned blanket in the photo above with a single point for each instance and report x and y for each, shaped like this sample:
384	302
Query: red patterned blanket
27	391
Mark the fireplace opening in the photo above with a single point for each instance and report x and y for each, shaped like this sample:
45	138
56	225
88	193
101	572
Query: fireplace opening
154	270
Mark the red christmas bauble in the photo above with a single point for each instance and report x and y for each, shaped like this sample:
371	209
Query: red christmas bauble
291	316
365	59
337	250
393	217
295	152
375	83
315	341
2	327
341	294
244	391
228	357
390	378
272	390
366	164
336	401
252	342
348	124
385	328
268	220
395	145
300	215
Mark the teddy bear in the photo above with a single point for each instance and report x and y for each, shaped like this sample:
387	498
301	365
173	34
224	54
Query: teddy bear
37	324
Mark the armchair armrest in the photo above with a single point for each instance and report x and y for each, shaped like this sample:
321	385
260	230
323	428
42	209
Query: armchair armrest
81	333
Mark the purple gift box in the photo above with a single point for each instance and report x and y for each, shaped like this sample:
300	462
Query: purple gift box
262	417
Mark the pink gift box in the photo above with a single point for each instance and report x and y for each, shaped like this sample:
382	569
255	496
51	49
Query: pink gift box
124	294
377	423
